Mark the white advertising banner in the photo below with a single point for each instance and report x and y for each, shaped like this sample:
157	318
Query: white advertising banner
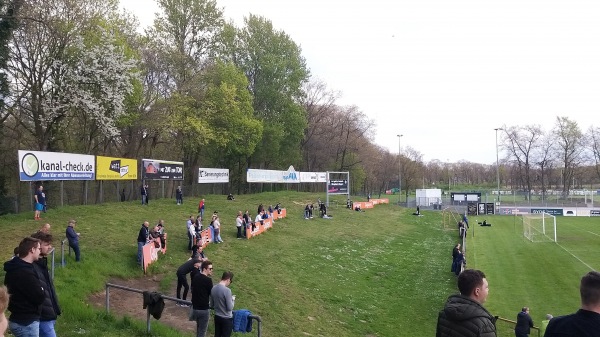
213	175
39	165
313	177
272	176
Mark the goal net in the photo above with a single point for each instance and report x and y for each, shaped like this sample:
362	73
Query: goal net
540	227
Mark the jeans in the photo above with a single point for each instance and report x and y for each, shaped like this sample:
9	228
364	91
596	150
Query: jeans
182	282
47	328
202	317
75	247
140	249
239	232
31	330
223	326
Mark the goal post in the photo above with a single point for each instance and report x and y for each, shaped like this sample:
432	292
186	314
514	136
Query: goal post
539	227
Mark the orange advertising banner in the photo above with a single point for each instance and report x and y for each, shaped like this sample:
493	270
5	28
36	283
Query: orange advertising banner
259	228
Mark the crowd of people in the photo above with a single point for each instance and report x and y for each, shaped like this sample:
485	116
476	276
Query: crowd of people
464	314
30	295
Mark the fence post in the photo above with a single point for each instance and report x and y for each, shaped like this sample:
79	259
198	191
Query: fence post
62	254
52	274
148	319
259	320
107	301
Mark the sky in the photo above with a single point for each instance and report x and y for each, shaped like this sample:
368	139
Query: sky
443	74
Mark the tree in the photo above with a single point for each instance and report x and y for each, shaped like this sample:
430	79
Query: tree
44	56
276	72
520	142
9	11
184	35
594	139
228	107
412	169
570	146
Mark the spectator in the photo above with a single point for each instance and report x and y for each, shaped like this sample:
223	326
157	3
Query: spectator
464	314
191	232
144	194
586	321
182	272
261	208
198	226
247	222
239	224
524	323
3	306
25	289
278	208
462	230
179	195
455	253
142	239
45	228
545	324
306	212
322	210
258	219
230	197
198	253
222	301
201	208
459	261
201	288
40	201
160	230
216	223
73	238
50	308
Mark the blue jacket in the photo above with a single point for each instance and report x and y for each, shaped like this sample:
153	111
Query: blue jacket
72	236
242	321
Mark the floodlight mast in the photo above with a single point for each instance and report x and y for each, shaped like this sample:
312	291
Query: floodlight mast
399	169
497	164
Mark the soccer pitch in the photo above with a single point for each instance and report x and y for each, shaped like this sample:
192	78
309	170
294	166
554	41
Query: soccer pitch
543	275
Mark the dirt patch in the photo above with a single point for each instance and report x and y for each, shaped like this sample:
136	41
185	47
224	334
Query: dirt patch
128	303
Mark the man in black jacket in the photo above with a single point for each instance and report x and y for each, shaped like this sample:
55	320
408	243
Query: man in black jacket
25	289
524	323
201	286
142	239
464	314
182	272
586	321
50	308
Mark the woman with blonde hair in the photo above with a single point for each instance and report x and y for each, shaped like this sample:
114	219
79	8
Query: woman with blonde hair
3	306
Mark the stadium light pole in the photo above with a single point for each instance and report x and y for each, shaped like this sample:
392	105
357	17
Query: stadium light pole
497	163
399	169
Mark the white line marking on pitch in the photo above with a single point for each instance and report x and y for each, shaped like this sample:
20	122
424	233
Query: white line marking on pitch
593	233
587	265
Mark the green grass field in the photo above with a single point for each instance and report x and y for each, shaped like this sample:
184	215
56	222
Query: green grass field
382	272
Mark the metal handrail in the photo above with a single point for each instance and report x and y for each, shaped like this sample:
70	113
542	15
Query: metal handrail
515	322
62	251
107	303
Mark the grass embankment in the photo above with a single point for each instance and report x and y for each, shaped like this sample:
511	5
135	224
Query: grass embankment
382	272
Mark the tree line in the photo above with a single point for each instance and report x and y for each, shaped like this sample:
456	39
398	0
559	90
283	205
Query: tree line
78	76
